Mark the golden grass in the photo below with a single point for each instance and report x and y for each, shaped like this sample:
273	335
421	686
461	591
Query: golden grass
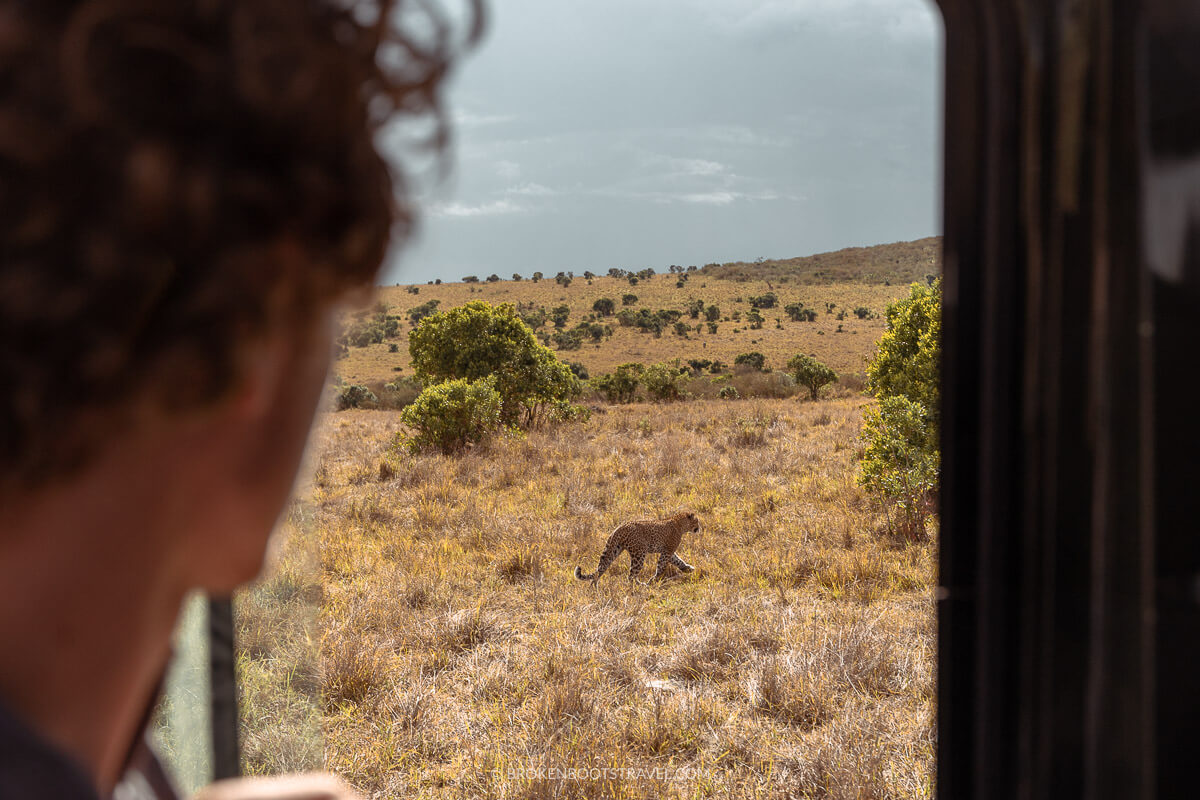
845	351
452	653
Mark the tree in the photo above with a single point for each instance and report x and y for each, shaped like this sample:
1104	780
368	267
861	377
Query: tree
471	279
811	373
901	459
517	276
897	465
478	339
537	276
906	363
754	360
628	299
712	313
604	306
621	385
450	415
663	382
767	300
418	313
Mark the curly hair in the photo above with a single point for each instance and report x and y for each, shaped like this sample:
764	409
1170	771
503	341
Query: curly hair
154	155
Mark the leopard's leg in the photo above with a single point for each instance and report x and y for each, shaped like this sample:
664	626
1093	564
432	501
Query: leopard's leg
663	560
636	560
680	564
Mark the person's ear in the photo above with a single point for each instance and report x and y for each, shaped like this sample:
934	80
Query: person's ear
262	369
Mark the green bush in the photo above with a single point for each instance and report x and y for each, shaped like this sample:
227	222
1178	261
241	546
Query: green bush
729	393
452	415
901	460
810	373
906	363
477	340
897	466
604	306
753	360
767	300
415	315
628	299
619	386
355	396
663	382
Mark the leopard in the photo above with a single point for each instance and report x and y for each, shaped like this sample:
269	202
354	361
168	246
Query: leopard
644	536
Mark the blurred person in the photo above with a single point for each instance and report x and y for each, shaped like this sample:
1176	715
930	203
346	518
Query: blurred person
189	190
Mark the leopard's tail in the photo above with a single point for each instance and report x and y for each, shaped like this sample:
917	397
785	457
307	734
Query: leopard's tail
610	553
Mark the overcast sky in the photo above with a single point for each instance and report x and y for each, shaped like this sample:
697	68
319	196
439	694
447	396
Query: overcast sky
642	133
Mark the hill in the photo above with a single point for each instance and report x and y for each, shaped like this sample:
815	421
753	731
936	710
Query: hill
897	263
846	314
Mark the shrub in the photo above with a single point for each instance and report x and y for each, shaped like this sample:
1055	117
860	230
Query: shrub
906	363
897	465
901	460
559	315
712	327
729	393
628	299
422	311
413	290
699	364
355	396
862	312
604	306
537	276
755	319
471	279
568	340
753	360
578	370
619	386
479	339
453	414
811	373
712	313
364	329
767	300
695	308
682	329
517	276
663	382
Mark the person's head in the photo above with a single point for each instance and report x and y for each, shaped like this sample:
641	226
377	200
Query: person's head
188	188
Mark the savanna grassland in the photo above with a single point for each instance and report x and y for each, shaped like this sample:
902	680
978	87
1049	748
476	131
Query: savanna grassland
831	284
422	635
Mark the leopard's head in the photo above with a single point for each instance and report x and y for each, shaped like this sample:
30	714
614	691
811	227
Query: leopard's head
690	521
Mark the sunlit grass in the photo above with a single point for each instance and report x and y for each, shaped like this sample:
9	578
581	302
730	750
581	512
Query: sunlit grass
454	655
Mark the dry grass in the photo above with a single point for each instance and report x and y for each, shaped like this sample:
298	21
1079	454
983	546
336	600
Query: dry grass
456	656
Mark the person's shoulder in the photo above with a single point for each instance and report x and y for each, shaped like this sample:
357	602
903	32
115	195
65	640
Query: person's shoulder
32	767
